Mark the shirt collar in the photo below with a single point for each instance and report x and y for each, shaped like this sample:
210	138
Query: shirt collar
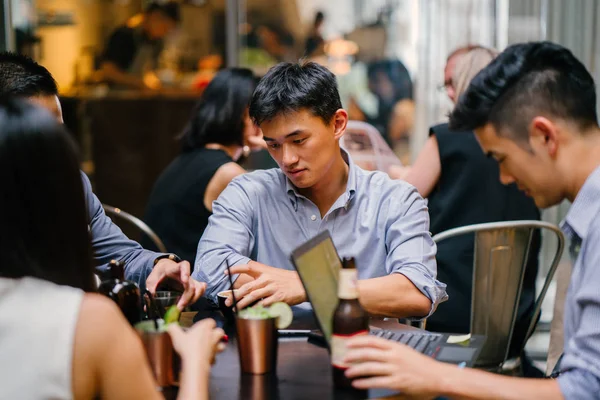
348	195
586	204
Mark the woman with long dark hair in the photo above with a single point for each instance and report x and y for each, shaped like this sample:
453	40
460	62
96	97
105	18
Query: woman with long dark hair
58	339
212	143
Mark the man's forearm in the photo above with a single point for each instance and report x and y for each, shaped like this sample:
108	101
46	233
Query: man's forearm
393	295
470	384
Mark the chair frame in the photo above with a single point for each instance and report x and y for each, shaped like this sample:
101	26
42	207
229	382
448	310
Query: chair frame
138	223
506	225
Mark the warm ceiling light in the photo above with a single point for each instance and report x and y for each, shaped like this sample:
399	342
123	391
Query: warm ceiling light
340	48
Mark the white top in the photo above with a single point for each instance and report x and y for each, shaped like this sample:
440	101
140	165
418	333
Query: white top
37	331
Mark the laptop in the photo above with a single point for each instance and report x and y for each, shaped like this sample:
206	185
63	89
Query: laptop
318	264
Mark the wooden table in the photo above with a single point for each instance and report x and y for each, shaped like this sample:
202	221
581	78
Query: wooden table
303	372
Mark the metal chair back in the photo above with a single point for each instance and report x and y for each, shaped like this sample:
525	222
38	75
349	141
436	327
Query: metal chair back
500	258
367	147
115	212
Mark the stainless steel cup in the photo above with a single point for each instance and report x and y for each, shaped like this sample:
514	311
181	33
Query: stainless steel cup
257	345
164	360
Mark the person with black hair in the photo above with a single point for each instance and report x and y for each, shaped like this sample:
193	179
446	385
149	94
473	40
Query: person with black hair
533	109
262	216
133	51
22	77
211	144
59	339
315	43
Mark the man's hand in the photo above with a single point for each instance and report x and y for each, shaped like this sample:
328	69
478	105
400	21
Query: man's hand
179	272
380	363
270	285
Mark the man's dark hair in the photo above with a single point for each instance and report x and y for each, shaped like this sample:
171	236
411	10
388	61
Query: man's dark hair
290	87
526	80
21	76
170	10
218	116
41	236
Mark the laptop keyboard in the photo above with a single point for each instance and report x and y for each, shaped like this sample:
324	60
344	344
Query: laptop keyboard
419	341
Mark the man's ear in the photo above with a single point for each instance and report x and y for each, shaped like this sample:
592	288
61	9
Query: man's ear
544	132
340	120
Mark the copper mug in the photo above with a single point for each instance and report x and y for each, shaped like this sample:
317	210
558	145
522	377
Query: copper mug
164	361
257	345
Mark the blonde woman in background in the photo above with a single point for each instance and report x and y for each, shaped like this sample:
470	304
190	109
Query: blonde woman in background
463	188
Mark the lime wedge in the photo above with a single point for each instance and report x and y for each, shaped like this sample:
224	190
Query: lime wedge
172	315
283	313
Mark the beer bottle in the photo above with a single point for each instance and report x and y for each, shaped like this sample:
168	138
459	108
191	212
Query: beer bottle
349	319
125	293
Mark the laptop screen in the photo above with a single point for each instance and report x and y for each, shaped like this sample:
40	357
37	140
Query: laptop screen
318	265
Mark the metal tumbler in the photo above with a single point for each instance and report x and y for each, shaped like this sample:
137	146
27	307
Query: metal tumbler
164	360
257	345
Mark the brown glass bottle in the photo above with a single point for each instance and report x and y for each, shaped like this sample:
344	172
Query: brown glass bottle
349	319
125	293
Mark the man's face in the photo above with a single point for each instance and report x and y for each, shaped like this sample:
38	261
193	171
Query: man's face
50	103
303	145
533	170
159	25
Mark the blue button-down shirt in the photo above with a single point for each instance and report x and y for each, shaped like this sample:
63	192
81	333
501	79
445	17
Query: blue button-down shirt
261	216
581	358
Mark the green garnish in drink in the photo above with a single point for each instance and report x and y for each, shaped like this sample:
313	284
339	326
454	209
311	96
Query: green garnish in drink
280	310
172	315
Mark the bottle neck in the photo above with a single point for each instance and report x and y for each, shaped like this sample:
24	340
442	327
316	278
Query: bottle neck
116	271
347	289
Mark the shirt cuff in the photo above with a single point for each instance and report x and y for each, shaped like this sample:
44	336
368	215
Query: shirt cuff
433	289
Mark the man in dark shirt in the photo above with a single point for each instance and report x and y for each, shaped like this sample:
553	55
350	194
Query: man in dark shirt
133	51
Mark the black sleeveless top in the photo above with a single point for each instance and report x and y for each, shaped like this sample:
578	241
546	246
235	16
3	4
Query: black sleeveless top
468	192
175	210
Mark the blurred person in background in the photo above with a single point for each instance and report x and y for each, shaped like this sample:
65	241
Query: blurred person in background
22	77
59	339
390	81
462	187
315	43
133	51
213	141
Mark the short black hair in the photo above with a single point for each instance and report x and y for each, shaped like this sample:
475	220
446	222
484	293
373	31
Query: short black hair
41	236
218	116
21	76
169	9
525	80
290	87
319	17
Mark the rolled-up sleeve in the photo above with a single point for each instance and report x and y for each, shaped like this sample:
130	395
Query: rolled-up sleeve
411	250
581	359
228	236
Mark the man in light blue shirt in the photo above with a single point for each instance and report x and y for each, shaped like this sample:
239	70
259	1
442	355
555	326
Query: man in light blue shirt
262	216
534	110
